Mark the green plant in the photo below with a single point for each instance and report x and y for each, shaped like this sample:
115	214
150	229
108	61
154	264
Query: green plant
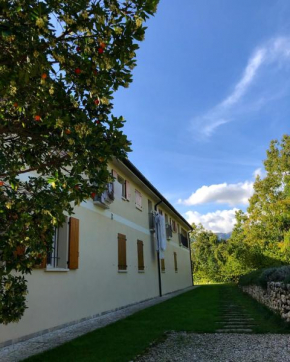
60	63
262	276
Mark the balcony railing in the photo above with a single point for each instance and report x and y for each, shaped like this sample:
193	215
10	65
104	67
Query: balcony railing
106	198
183	240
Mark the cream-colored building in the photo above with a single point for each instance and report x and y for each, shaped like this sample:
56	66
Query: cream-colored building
105	258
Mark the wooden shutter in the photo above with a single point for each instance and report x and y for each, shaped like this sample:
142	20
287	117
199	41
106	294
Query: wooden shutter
175	261
162	264
140	255
115	175
138	199
122	260
173	224
73	260
128	190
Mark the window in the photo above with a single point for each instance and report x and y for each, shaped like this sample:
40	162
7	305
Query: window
125	187
168	228
168	231
150	216
138	200
183	238
65	247
140	255
122	257
163	265
173	225
175	262
52	256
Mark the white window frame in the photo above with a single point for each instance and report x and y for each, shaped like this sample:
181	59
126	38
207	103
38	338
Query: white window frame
57	260
122	181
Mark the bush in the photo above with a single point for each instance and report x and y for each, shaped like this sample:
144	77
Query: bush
261	277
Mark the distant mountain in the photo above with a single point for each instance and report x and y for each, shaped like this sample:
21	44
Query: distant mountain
224	236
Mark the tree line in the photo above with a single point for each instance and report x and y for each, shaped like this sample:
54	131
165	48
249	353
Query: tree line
261	236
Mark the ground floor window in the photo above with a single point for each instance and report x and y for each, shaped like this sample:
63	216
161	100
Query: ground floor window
163	265
65	246
122	254
140	255
175	261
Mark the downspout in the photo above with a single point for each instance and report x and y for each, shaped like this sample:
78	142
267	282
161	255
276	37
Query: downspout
158	259
189	244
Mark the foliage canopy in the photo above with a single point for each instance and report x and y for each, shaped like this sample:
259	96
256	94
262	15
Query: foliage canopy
261	237
60	63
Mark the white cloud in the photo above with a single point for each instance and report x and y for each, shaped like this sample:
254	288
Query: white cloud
220	221
231	194
257	172
253	65
276	50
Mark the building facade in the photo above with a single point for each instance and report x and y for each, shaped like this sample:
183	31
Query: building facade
105	257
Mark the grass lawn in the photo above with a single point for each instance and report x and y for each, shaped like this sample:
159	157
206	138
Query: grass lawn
195	311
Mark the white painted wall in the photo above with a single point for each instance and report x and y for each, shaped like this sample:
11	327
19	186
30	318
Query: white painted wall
56	298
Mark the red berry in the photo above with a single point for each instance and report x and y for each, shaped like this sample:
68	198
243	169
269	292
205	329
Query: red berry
1	183
95	71
103	45
97	122
78	49
77	187
100	50
37	118
15	104
67	131
93	195
44	76
96	101
77	71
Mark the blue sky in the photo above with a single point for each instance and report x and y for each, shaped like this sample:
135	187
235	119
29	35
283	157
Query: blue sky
210	91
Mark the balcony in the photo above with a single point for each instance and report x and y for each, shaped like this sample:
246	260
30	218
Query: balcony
106	198
183	240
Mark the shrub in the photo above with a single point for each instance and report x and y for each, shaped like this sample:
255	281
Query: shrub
261	277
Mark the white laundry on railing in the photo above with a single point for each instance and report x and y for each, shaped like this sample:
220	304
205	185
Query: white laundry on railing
159	221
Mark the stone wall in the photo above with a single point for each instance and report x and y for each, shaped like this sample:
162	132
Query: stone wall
275	297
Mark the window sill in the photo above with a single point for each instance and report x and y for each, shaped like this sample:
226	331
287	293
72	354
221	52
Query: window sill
141	271
56	270
122	271
139	207
163	271
125	199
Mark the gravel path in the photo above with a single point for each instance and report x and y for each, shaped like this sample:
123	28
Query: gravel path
185	347
21	350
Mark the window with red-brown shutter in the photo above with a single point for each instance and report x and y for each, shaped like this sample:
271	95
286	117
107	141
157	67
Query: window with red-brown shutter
163	265
122	254
175	261
73	259
140	253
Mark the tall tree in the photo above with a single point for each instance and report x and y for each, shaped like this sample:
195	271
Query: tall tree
60	63
268	223
204	245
